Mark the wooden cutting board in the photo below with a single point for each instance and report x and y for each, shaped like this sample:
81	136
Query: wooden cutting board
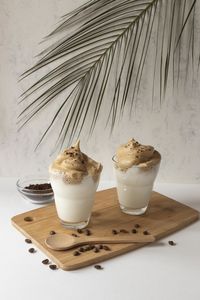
163	217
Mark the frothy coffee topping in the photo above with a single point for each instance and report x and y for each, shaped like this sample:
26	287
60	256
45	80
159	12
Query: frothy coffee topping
74	165
135	154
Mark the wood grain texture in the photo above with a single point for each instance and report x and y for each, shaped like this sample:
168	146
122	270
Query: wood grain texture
164	216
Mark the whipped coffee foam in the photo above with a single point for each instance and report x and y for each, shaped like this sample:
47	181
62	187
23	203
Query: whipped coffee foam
135	154
74	165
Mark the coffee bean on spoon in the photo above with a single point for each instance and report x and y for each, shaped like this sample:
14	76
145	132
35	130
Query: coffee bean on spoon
87	248
91	247
81	249
96	250
98	247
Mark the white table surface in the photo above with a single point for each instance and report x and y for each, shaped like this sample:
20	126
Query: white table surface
156	272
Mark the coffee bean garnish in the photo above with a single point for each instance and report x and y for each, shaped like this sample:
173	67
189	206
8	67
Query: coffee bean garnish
31	250
52	232
106	248
28	241
74	234
134	230
76	253
98	267
114	231
137	226
123	231
171	243
87	232
146	232
45	261
53	267
79	230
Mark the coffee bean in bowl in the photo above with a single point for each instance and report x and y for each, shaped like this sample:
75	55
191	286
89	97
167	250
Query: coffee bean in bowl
35	190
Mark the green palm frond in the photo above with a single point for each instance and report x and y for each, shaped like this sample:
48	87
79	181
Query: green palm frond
102	46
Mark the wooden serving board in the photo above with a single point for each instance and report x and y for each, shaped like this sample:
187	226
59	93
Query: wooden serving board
163	217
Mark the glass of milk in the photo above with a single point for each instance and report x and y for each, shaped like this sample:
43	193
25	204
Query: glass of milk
134	187
73	201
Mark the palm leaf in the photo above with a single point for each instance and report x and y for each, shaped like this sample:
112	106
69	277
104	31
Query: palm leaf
102	47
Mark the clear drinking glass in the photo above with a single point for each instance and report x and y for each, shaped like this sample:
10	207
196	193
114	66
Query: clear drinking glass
73	201
134	187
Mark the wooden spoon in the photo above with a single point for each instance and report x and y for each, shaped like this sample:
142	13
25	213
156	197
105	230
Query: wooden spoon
62	241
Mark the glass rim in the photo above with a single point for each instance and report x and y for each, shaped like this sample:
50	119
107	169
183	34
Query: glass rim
133	166
115	161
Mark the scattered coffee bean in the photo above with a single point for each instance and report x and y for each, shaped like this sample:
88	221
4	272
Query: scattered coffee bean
79	230
98	267
171	243
137	226
31	250
53	267
123	231
45	261
106	248
52	232
74	234
76	253
146	232
134	230
81	249
87	232
114	231
28	241
28	219
100	246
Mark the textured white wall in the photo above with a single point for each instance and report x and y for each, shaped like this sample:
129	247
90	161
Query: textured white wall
174	129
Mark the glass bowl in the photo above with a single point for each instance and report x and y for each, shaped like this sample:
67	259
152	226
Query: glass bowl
36	190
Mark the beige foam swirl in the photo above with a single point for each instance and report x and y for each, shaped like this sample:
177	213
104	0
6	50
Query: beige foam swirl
74	165
133	153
